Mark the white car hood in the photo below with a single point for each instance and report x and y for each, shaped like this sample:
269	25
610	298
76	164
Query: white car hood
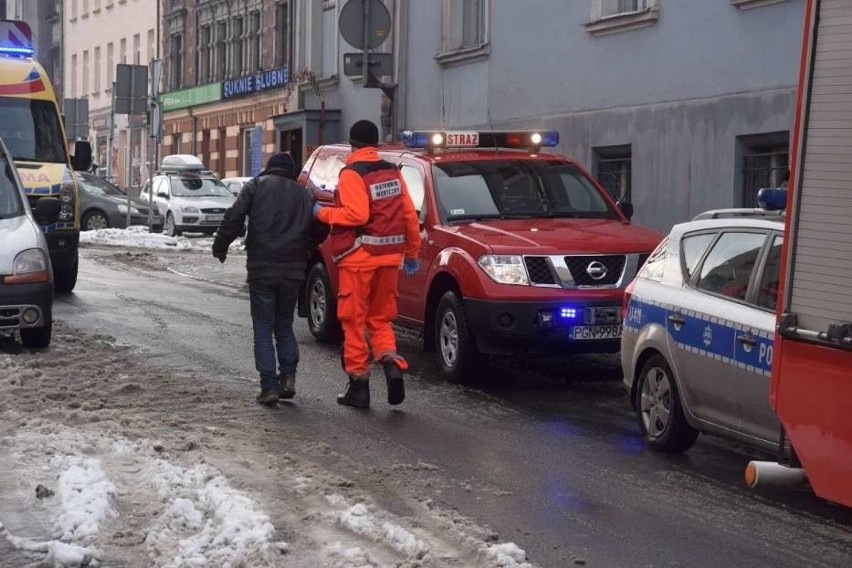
17	234
204	202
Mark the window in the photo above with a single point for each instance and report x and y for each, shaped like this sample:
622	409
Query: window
326	169
74	76
767	294
416	185
237	31
29	128
765	161
176	62
110	63
203	61
97	76
123	50
85	7
614	170
254	39
218	70
137	49
329	40
509	188
282	34
613	16
85	90
152	45
74	10
692	250
728	267
248	151
10	198
97	5
465	27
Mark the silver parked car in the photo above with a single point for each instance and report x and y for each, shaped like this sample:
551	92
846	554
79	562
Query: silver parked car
699	320
104	205
26	277
235	184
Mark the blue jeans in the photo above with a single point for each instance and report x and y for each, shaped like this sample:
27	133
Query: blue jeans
273	303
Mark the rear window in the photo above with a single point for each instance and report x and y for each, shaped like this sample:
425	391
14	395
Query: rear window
198	187
653	269
509	188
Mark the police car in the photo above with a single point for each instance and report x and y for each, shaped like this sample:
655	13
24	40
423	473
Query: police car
698	329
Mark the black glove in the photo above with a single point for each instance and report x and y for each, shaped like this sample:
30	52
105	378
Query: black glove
220	254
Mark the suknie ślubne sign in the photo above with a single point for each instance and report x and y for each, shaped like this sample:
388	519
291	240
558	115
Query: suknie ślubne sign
256	83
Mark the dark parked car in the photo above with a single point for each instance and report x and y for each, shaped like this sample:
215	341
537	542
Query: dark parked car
104	205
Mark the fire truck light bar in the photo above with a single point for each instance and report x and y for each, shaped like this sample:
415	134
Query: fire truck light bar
474	139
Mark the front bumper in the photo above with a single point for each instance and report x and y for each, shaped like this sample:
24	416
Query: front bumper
516	327
15	299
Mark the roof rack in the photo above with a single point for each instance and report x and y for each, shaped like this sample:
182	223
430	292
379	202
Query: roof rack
739	213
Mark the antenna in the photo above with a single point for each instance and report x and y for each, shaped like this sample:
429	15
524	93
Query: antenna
493	135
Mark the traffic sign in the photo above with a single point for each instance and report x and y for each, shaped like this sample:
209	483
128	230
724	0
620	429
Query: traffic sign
131	89
76	112
352	19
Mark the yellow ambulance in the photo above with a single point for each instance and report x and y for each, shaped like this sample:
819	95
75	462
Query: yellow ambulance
31	127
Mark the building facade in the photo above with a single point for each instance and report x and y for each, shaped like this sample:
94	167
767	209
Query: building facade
99	35
678	106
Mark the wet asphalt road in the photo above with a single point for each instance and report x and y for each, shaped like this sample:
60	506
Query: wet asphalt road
546	454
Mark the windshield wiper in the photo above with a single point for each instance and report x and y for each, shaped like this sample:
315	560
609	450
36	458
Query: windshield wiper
578	214
474	217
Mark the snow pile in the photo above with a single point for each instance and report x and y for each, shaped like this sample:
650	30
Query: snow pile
58	554
207	522
137	237
360	520
506	555
87	499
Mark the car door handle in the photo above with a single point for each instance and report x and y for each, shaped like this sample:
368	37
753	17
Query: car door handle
676	319
747	340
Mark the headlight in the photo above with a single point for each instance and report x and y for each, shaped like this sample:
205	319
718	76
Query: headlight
188	209
122	208
66	198
505	269
30	266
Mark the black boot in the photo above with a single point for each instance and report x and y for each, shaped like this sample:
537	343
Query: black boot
287	386
357	393
396	384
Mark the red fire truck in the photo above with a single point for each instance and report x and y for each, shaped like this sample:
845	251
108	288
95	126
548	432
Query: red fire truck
811	387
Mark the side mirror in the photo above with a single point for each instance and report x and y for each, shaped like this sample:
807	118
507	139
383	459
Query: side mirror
47	210
626	208
82	159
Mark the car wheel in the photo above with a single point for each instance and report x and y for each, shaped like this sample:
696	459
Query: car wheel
95	220
65	277
171	229
661	417
322	306
37	337
457	356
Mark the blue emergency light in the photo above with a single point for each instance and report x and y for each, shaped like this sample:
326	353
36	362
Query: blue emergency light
16	39
16	51
436	139
772	198
568	313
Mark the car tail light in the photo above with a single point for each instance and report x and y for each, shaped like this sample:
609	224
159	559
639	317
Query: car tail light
628	294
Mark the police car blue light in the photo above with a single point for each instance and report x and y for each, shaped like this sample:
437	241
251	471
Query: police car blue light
772	198
436	139
568	313
16	51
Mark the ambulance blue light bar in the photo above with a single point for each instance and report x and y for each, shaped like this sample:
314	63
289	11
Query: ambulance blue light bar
435	139
16	39
772	198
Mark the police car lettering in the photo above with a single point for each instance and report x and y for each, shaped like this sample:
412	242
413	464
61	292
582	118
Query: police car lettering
386	189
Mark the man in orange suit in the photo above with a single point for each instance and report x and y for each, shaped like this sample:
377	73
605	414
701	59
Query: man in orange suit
374	231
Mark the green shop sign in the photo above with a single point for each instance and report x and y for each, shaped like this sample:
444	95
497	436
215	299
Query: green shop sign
191	97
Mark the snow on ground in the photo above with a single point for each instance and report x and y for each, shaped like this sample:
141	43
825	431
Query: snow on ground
139	237
150	472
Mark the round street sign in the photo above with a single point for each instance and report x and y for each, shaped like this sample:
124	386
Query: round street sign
352	23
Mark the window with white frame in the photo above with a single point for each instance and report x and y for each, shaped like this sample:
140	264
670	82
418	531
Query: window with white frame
465	25
74	76
85	90
255	37
613	16
97	72
329	38
110	65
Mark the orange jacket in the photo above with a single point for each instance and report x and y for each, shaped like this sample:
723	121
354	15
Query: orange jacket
356	212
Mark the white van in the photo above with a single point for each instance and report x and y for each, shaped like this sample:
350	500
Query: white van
26	276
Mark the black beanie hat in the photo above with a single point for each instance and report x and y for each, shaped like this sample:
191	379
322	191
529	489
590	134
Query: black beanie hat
364	133
282	162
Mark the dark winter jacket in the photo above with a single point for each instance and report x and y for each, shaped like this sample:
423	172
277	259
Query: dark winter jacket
281	229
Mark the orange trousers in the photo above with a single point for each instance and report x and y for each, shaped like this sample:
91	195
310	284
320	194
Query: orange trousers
366	305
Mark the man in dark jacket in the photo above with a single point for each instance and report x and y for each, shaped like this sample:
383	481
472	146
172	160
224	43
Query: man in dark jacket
281	235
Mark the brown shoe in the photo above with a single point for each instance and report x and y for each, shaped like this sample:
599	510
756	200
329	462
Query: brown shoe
267	397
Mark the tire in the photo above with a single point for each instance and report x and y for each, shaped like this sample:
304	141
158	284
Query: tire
322	306
661	417
456	354
94	220
37	337
171	229
65	278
